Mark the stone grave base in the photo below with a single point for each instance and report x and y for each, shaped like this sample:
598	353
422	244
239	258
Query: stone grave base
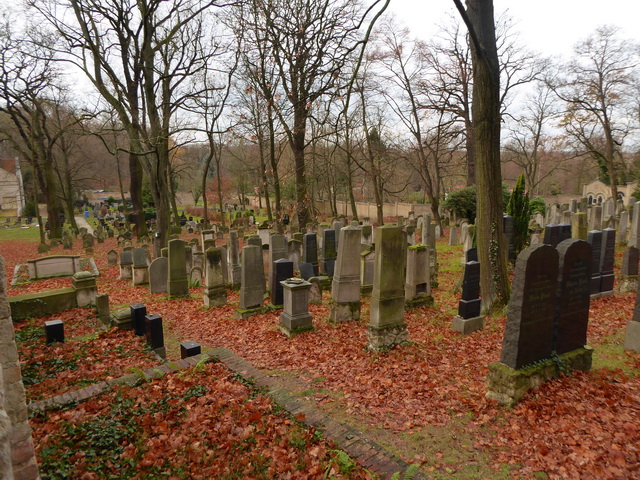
507	385
632	336
366	289
385	338
628	284
248	312
344	312
140	275
215	296
419	301
601	294
467	325
122	319
125	272
292	325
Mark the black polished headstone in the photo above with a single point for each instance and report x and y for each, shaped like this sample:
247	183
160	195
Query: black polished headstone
153	331
565	232
529	332
310	251
573	295
54	331
607	276
471	281
138	312
307	271
189	349
469	308
551	235
594	237
282	270
472	255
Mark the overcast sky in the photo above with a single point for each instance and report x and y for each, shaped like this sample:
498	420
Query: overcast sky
551	27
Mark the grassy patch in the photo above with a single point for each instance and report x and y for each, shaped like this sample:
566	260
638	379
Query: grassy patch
611	354
31	234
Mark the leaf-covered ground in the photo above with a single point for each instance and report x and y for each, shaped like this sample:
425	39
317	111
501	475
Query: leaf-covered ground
425	401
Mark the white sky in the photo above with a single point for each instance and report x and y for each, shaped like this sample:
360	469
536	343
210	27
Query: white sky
551	27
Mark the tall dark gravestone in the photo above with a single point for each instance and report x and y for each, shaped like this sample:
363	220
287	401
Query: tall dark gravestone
552	235
508	225
469	305
282	270
607	276
573	295
630	262
329	251
310	251
565	232
594	237
529	332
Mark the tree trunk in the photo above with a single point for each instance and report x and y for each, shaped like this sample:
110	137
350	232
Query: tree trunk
274	164
471	153
297	148
135	190
494	280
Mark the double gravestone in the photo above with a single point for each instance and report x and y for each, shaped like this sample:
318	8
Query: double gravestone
548	313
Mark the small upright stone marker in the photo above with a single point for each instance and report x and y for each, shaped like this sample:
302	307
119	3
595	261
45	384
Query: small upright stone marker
158	275
189	349
138	314
252	287
295	318
54	331
215	290
282	270
386	326
345	288
417	286
178	283
155	334
469	319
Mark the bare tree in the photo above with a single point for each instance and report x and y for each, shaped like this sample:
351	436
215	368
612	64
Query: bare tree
595	87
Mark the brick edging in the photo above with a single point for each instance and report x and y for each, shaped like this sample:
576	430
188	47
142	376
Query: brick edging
366	452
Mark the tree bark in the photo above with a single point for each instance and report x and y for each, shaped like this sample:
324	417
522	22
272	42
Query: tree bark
494	280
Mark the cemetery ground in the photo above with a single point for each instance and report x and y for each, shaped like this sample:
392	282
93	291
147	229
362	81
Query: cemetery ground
423	402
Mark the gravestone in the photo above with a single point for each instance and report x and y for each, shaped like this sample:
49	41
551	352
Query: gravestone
417	286
453	235
254	240
140	267
215	290
295	317
623	225
295	252
607	276
469	319
329	250
632	334
54	331
159	275
315	291
189	349
155	334
595	240
629	271
386	325
252	286
126	262
573	295
579	228
282	270
565	231
552	234
235	271
178	283
138	314
367	265
307	271
112	257
366	235
195	276
508	225
529	331
345	288
310	251
277	250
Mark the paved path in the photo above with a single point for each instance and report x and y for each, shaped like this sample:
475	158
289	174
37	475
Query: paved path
82	222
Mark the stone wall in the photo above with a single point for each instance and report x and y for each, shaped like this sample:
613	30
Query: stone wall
23	461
